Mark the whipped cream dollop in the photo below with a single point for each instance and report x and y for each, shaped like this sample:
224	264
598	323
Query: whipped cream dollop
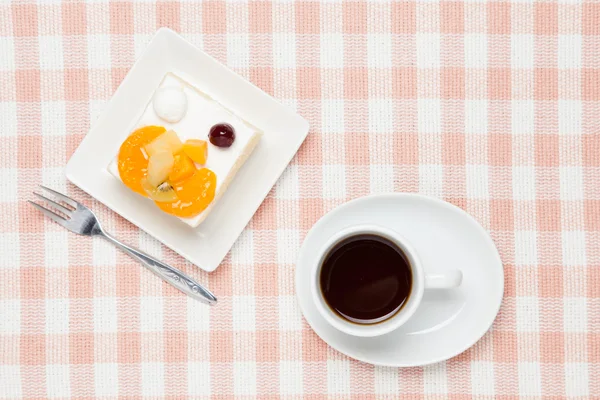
170	103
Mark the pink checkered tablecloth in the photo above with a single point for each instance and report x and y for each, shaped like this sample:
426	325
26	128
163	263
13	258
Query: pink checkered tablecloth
492	106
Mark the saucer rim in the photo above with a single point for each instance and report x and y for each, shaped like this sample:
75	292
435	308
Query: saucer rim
418	197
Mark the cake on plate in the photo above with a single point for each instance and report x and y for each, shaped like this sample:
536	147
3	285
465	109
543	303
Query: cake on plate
184	151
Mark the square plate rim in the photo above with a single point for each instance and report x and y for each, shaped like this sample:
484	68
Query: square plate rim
74	176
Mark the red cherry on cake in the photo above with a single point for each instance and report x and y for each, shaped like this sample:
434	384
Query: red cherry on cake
222	135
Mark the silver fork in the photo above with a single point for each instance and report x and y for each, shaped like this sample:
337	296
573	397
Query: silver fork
81	220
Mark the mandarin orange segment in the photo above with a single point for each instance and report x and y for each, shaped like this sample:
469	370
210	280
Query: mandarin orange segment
182	169
194	193
197	150
132	160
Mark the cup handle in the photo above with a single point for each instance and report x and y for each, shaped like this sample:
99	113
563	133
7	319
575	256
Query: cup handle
446	280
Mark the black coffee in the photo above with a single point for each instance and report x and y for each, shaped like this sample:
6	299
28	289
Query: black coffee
366	278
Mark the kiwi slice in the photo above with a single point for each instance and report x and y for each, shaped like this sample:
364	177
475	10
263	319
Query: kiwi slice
163	193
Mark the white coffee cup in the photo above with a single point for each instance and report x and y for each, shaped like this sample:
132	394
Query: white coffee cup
420	281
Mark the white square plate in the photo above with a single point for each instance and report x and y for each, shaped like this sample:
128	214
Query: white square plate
283	133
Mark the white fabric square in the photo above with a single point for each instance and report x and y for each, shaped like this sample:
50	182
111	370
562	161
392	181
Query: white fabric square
106	375
382	178
290	378
244	378
7	49
523	183
476	50
528	314
573	248
153	379
332	50
242	251
57	316
54	178
151	314
103	253
435	379
381	116
577	380
476	117
288	246
244	313
526	248
10	317
379	50
198	378
386	380
334	181
54	116
338	376
430	115
570	114
482	378
569	51
198	318
428	50
522	50
523	117
8	110
431	179
290	317
51	52
10	382
56	246
284	50
288	185
529	379
99	55
332	115
8	179
575	314
238	48
9	250
105	314
478	182
58	383
571	183
239	14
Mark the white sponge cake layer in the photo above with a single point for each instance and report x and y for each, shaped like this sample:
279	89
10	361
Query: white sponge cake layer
203	112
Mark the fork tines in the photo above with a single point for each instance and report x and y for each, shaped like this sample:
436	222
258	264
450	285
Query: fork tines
60	207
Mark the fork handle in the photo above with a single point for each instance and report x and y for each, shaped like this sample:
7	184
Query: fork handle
166	272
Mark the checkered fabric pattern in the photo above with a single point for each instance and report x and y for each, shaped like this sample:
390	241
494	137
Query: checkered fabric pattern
492	106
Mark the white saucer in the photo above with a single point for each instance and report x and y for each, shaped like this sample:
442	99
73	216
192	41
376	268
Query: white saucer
447	322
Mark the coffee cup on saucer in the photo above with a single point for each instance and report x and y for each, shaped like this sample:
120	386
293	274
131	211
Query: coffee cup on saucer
369	280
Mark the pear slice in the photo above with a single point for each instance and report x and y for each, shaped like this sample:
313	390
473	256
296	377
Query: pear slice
160	166
168	141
